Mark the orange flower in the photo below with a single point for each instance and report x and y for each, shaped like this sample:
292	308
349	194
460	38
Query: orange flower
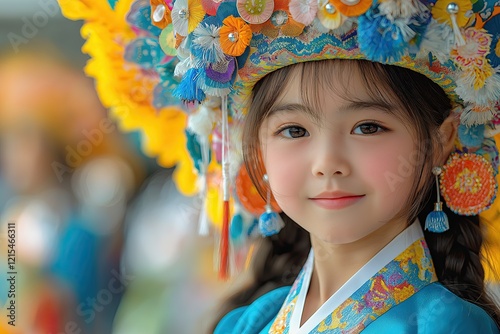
281	22
249	196
160	14
235	36
355	9
468	183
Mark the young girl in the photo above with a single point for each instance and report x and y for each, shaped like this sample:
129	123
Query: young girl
358	117
348	147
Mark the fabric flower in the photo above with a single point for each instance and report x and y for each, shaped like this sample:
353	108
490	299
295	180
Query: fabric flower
471	136
235	36
139	18
381	39
479	86
468	184
400	8
303	11
474	114
281	22
249	196
352	7
471	58
186	15
217	79
329	16
144	51
441	11
210	6
206	42
255	11
160	14
168	41
188	89
438	39
474	52
455	13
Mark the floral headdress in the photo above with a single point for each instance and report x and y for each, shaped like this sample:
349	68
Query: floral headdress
225	47
222	48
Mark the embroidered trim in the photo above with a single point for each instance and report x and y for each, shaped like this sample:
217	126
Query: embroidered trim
407	274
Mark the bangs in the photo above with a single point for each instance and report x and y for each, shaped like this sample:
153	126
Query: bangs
321	77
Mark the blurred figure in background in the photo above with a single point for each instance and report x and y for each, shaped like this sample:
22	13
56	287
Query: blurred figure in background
173	282
70	176
167	268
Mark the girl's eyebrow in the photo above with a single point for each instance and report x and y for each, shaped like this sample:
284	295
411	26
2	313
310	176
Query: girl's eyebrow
348	107
360	105
294	107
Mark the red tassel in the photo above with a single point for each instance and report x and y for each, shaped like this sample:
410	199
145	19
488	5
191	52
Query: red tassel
224	244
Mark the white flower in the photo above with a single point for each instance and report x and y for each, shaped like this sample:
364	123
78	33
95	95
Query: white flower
438	40
206	36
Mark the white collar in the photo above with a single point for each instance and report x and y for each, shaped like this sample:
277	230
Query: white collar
380	260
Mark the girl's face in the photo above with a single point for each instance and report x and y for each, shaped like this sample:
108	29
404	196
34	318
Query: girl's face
343	171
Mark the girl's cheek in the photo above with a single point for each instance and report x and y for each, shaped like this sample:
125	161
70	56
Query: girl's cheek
284	168
390	169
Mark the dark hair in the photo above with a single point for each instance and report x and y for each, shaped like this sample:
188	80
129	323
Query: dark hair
456	253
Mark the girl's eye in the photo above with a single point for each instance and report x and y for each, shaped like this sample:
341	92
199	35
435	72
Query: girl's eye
293	132
368	129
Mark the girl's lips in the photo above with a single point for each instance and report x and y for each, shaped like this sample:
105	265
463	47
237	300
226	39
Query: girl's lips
337	202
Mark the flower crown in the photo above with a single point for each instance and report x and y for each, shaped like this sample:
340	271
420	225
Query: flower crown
221	49
225	47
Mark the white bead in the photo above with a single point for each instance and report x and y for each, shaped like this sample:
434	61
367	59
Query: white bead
452	8
437	170
183	13
159	13
233	37
330	9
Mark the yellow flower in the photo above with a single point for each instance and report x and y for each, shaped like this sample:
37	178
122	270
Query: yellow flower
126	90
443	10
186	15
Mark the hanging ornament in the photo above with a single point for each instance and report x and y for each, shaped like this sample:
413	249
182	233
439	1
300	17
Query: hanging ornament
468	183
437	220
270	222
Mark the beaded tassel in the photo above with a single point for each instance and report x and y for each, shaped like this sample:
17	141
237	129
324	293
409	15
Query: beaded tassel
270	222
437	220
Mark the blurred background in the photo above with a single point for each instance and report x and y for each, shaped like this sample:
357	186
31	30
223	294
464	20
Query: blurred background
104	242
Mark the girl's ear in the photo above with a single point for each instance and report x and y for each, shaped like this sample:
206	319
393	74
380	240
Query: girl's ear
447	133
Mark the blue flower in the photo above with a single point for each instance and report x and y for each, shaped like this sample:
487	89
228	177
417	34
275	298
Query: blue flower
381	39
188	89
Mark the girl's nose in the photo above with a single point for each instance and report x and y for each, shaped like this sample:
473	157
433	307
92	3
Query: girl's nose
330	160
